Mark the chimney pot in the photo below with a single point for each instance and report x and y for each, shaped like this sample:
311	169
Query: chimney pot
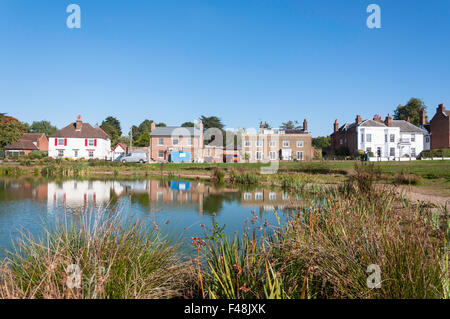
422	117
305	125
79	123
388	120
336	126
441	108
261	130
152	126
358	119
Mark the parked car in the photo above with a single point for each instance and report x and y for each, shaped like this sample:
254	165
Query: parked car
135	158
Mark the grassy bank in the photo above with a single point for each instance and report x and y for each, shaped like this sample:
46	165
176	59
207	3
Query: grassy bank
324	250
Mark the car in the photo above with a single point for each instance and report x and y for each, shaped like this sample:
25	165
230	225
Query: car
135	158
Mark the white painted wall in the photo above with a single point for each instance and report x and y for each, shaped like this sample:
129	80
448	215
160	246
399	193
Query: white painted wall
402	144
101	151
118	151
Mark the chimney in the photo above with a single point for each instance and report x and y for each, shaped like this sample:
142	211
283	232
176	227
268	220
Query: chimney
152	126
408	119
377	118
336	126
388	120
358	119
261	130
305	125
78	124
422	117
441	108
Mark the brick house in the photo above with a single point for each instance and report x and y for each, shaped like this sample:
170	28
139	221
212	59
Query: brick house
391	139
440	128
29	142
80	140
166	140
278	144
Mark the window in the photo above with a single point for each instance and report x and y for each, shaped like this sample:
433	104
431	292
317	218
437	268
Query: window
175	141
392	139
273	143
286	144
60	141
340	141
91	142
369	138
362	138
259	143
160	141
91	154
259	155
385	138
190	141
427	139
247	196
248	143
273	155
369	149
159	196
299	143
60	153
413	137
75	153
300	155
272	196
413	152
259	196
160	154
392	151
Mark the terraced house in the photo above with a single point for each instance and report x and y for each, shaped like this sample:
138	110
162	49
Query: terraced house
278	144
383	140
80	140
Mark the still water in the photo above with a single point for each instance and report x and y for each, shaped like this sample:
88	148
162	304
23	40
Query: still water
181	207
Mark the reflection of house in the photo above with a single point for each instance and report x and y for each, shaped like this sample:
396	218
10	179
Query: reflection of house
80	140
181	140
270	199
278	144
29	142
78	194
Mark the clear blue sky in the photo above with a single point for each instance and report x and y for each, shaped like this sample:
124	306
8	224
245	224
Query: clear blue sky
242	60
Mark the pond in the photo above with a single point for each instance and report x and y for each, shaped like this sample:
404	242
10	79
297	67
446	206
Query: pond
182	207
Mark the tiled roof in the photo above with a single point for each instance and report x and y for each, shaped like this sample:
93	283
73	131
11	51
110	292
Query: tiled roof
372	123
169	130
22	145
87	131
405	126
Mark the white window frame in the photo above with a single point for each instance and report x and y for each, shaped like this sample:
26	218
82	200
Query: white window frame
286	143
91	154
248	143
175	139
259	143
60	142
190	141
273	143
392	138
300	143
259	196
75	153
369	138
60	153
159	153
91	142
247	196
413	137
159	141
302	155
261	155
273	155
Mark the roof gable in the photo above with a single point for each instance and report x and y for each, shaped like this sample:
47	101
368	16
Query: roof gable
87	131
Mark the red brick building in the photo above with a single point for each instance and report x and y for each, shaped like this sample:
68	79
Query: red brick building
440	128
29	142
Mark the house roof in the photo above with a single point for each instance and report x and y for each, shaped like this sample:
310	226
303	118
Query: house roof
294	131
121	145
169	130
26	142
87	131
372	123
405	126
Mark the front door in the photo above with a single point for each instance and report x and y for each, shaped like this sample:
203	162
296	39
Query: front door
286	154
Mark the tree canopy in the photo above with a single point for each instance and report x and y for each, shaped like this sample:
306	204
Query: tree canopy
187	124
113	122
411	110
290	125
212	122
321	142
43	127
11	130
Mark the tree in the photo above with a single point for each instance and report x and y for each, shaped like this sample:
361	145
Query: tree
291	125
111	131
266	126
411	110
145	127
11	131
212	122
43	127
114	123
143	140
187	124
161	125
321	142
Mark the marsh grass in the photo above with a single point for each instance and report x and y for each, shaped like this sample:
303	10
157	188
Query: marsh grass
325	249
116	260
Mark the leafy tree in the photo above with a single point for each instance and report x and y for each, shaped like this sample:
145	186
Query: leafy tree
11	131
143	140
145	127
411	110
161	124
187	124
212	122
291	125
112	132
321	142
43	127
112	121
266	126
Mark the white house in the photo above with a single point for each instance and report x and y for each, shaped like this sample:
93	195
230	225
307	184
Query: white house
391	140
118	151
80	140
